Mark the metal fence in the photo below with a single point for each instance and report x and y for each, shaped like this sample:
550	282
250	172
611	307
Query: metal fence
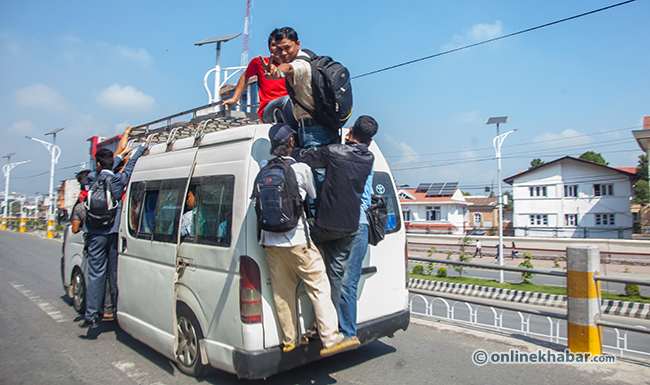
424	303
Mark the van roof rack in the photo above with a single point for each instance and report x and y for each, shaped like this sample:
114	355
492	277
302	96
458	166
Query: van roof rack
201	120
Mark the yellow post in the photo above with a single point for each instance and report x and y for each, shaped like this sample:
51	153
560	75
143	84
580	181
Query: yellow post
50	229
23	223
4	224
583	299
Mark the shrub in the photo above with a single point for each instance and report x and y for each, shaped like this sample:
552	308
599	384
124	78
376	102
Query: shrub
429	268
417	269
632	290
527	264
442	272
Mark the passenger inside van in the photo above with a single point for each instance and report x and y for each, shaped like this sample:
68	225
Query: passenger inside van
187	222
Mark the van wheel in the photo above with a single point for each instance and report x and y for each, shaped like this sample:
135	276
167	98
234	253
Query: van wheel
188	352
78	291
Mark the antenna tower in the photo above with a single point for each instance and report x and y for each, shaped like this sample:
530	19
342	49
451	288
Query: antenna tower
247	22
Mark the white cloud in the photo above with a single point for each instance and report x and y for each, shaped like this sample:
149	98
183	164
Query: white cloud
120	127
139	55
478	32
568	137
24	127
40	96
466	117
126	97
408	154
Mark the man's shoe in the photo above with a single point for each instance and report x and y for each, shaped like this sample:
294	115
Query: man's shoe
88	324
108	317
348	343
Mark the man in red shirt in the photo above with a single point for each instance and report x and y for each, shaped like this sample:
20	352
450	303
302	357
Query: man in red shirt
273	96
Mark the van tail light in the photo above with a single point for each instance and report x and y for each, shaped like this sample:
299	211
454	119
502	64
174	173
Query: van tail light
250	291
406	262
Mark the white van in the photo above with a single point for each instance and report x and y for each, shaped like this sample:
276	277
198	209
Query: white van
205	300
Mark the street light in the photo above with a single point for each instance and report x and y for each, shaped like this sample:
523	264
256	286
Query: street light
6	169
497	142
217	69
55	152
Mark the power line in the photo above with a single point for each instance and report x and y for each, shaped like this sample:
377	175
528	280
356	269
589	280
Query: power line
491	40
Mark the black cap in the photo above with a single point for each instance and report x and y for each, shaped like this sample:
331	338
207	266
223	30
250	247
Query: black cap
279	134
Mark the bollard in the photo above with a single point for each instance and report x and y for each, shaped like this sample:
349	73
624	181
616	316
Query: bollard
583	299
4	224
50	229
23	223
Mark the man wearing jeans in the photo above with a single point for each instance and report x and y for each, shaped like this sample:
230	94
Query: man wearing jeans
337	220
348	305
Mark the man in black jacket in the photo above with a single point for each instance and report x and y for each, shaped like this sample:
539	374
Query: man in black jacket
337	219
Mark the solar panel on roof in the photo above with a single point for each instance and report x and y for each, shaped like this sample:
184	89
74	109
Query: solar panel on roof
449	188
435	189
423	187
441	189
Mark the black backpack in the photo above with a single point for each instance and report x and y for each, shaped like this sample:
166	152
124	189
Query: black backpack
101	206
276	196
332	90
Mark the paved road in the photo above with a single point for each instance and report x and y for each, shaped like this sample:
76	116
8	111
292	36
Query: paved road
41	344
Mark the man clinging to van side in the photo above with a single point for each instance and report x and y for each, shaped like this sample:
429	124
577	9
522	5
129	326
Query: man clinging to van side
102	241
290	254
337	220
272	92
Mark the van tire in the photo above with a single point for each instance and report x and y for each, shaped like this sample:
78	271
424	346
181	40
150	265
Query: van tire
78	291
188	352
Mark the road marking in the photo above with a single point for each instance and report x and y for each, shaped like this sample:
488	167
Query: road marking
38	301
135	374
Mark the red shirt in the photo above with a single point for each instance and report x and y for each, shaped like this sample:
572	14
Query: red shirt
270	89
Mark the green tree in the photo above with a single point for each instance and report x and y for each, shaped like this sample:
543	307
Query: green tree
536	163
641	186
594	157
462	257
527	264
511	201
466	193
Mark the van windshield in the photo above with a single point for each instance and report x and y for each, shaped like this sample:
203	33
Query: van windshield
383	185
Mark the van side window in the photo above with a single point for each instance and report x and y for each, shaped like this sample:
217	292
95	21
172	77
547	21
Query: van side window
151	190
213	219
382	185
135	206
168	209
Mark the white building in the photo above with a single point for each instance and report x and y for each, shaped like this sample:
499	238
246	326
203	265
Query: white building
434	208
572	198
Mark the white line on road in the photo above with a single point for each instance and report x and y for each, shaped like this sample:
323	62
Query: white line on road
135	374
38	301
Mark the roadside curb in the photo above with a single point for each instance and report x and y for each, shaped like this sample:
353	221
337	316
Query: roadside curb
612	307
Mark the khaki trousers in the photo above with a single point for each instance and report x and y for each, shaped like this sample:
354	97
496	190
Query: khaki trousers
285	263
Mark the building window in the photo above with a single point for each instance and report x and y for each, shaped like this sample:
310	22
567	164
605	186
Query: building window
478	220
406	214
571	191
571	220
539	220
603	189
433	213
538	191
605	219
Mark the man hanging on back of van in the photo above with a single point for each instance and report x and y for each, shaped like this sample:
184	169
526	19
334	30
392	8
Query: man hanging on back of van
289	251
102	227
337	220
274	101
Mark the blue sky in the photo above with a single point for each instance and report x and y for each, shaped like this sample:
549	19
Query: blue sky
95	67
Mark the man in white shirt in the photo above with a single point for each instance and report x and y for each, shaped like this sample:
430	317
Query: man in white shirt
289	254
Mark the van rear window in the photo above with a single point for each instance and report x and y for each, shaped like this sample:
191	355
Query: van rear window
383	185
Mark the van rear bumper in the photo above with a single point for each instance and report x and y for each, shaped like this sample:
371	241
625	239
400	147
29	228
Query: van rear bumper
264	363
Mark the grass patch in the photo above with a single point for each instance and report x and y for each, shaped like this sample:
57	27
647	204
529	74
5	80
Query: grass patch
555	290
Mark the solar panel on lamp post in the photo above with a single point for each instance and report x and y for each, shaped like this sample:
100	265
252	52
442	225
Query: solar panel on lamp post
497	142
217	69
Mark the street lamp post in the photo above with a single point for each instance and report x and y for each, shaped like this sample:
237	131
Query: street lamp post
497	142
6	169
55	152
